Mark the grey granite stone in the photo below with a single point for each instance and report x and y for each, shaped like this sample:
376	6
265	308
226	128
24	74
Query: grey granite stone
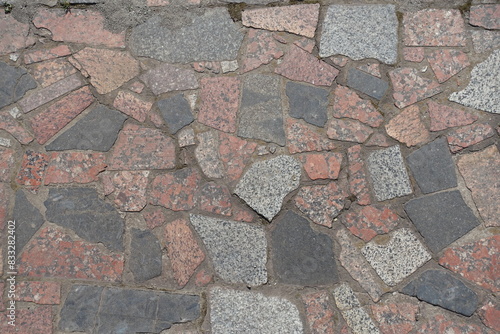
79	311
266	183
207	154
212	36
176	112
300	255
483	91
261	115
81	210
145	255
28	220
14	83
246	312
441	218
388	173
307	102
359	32
432	167
366	83
485	40
238	250
397	259
96	131
440	288
168	78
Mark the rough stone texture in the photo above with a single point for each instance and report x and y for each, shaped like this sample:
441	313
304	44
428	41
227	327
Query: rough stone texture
486	16
175	190
373	69
388	173
482	92
348	104
376	38
395	318
131	105
407	127
468	135
82	26
145	255
219	102
176	112
214	198
33	320
32	169
5	195
439	324
432	167
300	255
319	313
28	220
128	188
8	164
485	40
15	82
265	185
358	178
207	155
186	137
39	292
183	250
416	54
447	63
12	126
397	259
36	56
410	88
300	65
95	131
434	27
490	315
308	103
237	250
167	78
303	138
298	19
250	312
142	148
444	117
370	221
261	49
154	218
440	288
348	130
192	42
351	259
366	83
80	308
480	171
74	167
322	165
235	154
51	71
15	35
321	203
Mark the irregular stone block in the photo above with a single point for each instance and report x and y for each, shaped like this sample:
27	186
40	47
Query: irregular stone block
80	308
167	78
366	83
145	255
15	82
28	220
308	103
176	112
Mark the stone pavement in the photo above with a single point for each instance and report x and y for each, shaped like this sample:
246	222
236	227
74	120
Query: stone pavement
221	166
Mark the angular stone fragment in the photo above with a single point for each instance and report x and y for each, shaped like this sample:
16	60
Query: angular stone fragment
490	315
15	35
39	292
319	313
414	54
302	138
410	88
235	154
17	130
378	139
195	41
376	38
214	198
482	92
322	165
32	320
175	190
208	156
447	63
397	259
348	104
176	112
96	131
32	169
348	130
238	250
468	135
246	311
80	308
51	71
74	167
145	255
131	105
439	324
300	255
485	40
7	164
28	220
154	218
46	54
370	221
15	82
366	83
444	117
396	318
407	127
186	137
308	103
486	16
358	178
167	78
261	49
265	185
129	189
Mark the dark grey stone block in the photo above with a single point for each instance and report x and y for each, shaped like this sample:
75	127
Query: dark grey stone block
81	210
176	112
176	309
300	255
433	167
28	220
14	83
80	308
307	102
145	255
441	218
440	288
366	83
96	131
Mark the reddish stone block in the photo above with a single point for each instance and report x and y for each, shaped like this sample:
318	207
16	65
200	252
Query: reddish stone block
235	154
480	171
395	318
413	54
7	164
55	254
319	313
261	49
156	119
348	130
347	103
183	251
207	66
39	292
370	221
298	19
32	169
340	61
140	148
33	320
300	65
137	87
468	135
51	71
476	261
79	26
434	27
322	165
378	139
219	102
36	56
409	87
439	324
446	63
407	127
51	120
15	128
444	117
78	167
5	194
490	315
131	105
306	44
214	198
15	35
176	190
373	69
154	218
129	188
243	214
302	138
202	278
358	179
167	78
486	16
